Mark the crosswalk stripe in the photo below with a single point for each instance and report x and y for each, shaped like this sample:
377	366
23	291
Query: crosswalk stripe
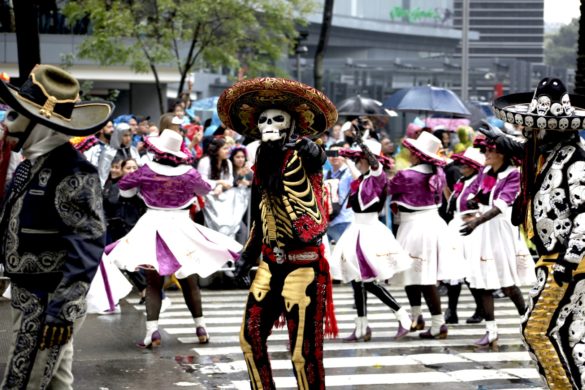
378	361
381	362
409	378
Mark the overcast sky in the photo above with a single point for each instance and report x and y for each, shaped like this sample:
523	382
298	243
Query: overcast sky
555	13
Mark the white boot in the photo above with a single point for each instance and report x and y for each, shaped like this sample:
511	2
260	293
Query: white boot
361	331
152	337
200	330
403	318
491	335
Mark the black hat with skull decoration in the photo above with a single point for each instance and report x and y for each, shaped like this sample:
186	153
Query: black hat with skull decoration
270	108
550	107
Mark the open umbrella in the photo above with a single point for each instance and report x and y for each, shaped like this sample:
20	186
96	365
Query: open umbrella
360	106
427	99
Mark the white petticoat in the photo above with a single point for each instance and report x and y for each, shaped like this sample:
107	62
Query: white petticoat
504	259
383	255
197	249
436	253
97	297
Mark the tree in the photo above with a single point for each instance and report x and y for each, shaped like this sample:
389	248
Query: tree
580	71
322	45
237	34
560	48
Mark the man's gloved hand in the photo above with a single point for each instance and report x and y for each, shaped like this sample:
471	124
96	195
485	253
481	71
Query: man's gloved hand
55	332
563	271
504	142
242	271
308	148
489	130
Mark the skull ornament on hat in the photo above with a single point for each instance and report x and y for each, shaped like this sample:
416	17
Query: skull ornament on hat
550	107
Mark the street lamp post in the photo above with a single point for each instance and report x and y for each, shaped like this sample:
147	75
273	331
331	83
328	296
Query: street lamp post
300	49
465	51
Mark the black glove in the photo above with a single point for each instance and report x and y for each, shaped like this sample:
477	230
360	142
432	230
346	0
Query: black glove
312	154
242	271
55	332
472	204
468	227
306	147
505	143
563	271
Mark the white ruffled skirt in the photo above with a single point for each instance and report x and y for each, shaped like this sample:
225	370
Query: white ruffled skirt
504	259
436	253
367	251
468	246
168	241
108	287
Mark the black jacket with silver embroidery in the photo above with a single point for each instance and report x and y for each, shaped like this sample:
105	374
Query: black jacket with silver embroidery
558	205
53	231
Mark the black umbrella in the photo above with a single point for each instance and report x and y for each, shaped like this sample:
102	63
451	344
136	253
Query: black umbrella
427	99
360	106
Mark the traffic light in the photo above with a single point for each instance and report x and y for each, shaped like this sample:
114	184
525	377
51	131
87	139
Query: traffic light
299	47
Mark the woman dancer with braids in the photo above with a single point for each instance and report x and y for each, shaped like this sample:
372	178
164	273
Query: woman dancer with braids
165	240
367	252
416	193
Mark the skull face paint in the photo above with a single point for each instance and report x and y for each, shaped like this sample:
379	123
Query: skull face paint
274	124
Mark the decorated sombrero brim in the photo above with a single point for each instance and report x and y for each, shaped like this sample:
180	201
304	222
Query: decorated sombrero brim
472	157
353	154
36	101
427	147
240	106
516	109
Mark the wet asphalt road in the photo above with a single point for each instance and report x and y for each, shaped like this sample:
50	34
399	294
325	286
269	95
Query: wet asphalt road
106	356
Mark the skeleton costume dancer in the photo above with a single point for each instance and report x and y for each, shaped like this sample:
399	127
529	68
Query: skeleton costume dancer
52	226
552	206
289	220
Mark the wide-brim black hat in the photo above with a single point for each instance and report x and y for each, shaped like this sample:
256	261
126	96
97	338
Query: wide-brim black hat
550	107
50	96
240	106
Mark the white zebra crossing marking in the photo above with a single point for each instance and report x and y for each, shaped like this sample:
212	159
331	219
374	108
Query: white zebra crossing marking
224	310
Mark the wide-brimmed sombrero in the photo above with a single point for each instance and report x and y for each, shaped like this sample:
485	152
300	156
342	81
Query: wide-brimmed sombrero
472	157
50	96
376	149
550	107
167	146
427	147
240	105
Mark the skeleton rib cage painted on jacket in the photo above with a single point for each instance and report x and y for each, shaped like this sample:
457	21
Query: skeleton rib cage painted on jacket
294	218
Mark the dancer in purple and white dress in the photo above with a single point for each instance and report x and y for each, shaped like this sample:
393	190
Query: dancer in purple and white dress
470	163
165	240
417	193
367	251
504	261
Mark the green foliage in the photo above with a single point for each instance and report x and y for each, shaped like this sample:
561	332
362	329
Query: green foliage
560	48
250	34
